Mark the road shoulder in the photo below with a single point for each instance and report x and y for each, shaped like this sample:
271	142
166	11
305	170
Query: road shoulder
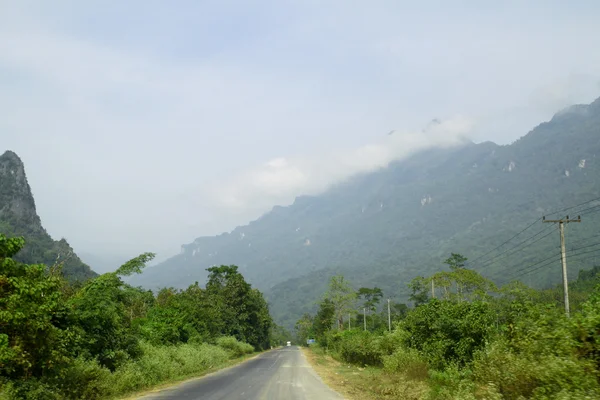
356	383
192	378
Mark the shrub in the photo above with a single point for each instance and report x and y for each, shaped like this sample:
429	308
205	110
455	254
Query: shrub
357	347
389	342
446	332
83	379
164	363
408	362
533	375
235	348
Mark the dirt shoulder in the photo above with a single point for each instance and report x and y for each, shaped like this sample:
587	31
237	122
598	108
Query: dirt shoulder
356	383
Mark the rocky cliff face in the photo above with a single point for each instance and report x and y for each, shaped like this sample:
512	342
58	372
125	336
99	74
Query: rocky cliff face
18	217
16	200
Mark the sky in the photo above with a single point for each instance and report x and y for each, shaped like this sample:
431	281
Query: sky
145	124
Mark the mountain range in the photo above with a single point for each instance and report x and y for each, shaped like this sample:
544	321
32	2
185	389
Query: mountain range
386	227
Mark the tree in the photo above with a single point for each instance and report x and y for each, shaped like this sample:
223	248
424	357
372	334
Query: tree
238	310
455	261
371	298
304	328
470	285
323	321
34	334
279	335
342	296
419	290
99	312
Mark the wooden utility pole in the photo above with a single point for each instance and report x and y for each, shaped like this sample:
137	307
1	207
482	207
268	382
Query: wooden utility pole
389	317
432	289
365	317
563	255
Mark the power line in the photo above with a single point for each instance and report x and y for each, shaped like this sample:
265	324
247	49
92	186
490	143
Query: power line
494	249
570	208
590	210
585	247
532	265
552	260
493	260
585	252
572	256
533	223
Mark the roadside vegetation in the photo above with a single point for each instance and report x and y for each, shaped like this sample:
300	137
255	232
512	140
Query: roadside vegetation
473	340
103	338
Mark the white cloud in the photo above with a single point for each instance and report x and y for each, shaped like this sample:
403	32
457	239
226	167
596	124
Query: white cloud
144	125
280	180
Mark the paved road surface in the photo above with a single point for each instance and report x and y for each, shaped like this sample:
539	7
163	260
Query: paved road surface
281	374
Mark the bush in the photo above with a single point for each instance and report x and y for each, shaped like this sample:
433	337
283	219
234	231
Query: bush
448	333
408	362
533	375
389	342
166	363
83	379
88	380
234	347
356	347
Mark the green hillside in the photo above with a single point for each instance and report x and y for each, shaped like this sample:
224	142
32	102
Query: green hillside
386	227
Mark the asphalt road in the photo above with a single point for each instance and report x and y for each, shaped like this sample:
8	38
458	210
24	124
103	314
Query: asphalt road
280	374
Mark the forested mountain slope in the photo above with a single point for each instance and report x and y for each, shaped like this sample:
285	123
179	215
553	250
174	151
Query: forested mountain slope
18	217
386	227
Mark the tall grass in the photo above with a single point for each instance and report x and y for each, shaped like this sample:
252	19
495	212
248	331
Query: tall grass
86	379
235	348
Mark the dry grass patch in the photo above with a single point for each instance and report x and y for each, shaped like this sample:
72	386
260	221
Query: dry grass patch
369	383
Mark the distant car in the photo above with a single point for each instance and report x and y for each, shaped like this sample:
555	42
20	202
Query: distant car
289	343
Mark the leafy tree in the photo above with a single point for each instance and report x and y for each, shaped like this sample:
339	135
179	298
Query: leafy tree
34	333
455	261
279	335
240	311
342	297
419	290
99	312
324	319
304	328
398	311
371	297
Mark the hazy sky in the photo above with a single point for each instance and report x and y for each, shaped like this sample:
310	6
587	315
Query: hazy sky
144	124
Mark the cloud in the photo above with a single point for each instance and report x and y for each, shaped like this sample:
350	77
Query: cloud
143	125
280	180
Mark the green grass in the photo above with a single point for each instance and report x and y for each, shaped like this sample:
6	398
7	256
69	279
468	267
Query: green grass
158	367
368	383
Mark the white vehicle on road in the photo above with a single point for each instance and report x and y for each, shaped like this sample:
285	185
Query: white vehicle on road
289	343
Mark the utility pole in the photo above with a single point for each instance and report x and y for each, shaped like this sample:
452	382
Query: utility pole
365	317
563	255
389	317
432	289
349	318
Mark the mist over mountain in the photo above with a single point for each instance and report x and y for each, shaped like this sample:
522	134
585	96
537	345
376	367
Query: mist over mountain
386	227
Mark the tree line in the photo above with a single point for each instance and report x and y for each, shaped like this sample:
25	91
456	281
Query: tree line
57	336
465	337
